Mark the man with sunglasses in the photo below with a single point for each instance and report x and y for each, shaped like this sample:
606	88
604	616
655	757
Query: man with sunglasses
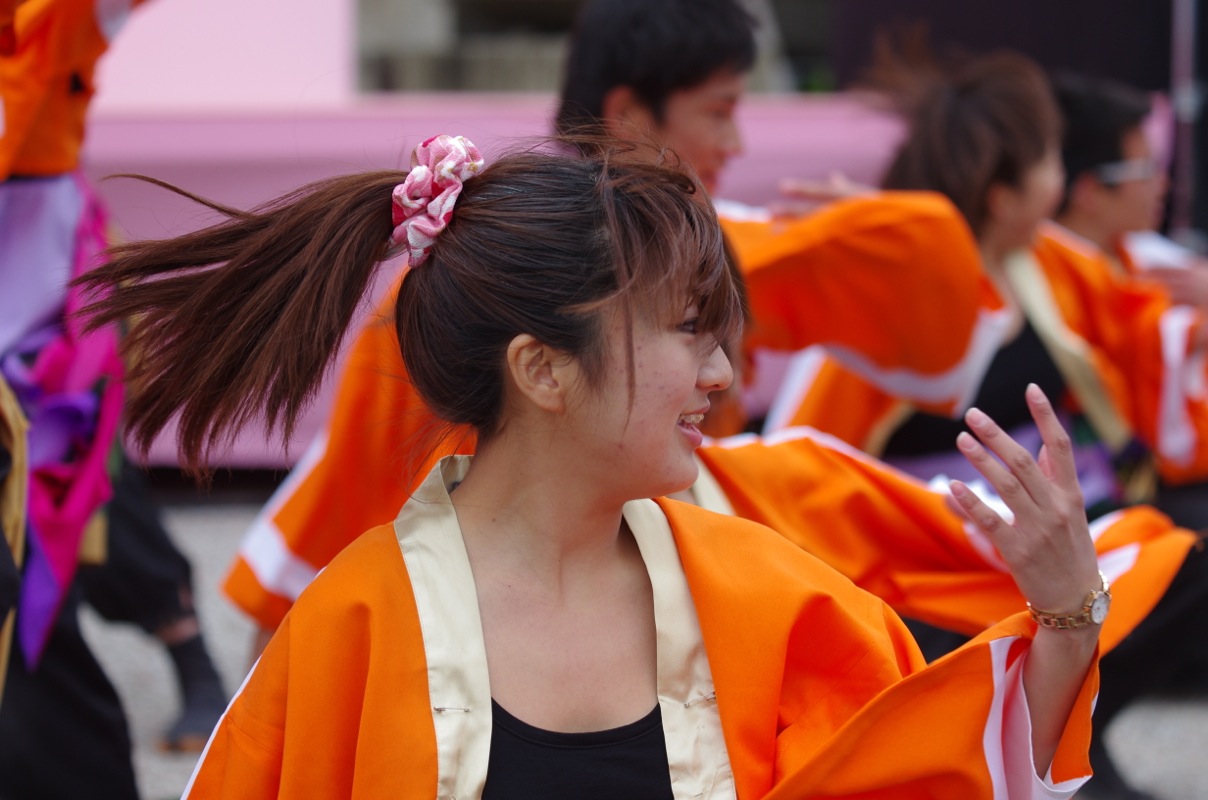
1115	187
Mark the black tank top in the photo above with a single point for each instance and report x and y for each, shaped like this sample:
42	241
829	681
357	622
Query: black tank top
529	763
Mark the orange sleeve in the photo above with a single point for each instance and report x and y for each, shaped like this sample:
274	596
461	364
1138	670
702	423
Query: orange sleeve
896	538
935	733
853	276
841	403
822	692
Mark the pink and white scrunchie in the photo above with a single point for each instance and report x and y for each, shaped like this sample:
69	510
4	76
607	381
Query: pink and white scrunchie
423	203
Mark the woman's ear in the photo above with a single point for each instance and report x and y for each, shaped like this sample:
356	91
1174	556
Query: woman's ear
540	373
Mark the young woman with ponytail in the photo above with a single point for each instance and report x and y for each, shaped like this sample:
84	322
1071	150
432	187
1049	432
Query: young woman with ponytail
531	624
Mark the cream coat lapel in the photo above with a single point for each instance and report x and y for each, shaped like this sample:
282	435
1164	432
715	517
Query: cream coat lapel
458	684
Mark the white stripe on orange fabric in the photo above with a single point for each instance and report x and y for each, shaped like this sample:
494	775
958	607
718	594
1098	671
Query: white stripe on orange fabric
1007	740
994	734
1115	563
277	570
264	548
741	212
1176	434
799	376
1098	526
954	388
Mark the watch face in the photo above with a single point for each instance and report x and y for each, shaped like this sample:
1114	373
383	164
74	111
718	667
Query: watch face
1099	608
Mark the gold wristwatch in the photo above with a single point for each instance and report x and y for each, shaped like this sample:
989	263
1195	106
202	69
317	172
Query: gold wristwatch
1094	611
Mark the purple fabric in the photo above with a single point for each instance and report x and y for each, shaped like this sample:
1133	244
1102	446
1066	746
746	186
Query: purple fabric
37	223
68	382
59	422
41	595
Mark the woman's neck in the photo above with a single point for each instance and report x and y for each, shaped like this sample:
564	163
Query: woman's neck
994	255
525	507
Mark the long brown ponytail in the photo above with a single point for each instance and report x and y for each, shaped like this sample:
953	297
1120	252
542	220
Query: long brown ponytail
240	321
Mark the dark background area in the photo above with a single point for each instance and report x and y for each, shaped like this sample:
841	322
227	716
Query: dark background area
1126	40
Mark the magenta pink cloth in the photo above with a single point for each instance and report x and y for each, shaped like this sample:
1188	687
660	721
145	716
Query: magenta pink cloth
423	203
69	383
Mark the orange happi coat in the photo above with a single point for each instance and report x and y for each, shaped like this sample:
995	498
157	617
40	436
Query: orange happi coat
1125	340
805	687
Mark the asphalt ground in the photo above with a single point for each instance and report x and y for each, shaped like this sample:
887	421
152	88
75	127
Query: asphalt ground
1161	744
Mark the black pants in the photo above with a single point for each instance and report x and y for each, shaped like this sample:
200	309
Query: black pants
145	580
62	730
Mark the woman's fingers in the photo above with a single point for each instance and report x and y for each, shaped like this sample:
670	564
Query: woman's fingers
1020	468
974	509
1058	448
1047	547
1007	485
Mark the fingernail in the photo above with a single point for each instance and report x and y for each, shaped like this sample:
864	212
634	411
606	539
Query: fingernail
965	442
1034	392
975	417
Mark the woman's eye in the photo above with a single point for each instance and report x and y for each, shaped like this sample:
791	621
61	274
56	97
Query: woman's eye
689	326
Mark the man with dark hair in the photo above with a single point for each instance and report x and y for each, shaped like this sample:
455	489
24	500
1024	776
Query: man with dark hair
1113	185
1113	199
618	73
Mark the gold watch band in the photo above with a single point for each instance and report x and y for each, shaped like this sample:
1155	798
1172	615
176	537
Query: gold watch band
1061	622
1093	612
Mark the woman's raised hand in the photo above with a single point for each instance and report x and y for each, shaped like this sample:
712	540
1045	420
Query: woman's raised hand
1048	546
